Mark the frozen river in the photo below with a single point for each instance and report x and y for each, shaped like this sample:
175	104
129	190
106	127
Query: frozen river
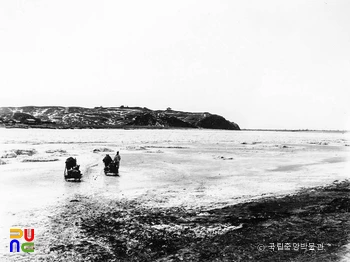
169	167
189	168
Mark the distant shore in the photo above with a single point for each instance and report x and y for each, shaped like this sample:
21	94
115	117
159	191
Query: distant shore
298	130
24	126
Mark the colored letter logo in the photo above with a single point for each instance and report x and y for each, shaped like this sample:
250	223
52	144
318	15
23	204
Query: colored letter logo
17	233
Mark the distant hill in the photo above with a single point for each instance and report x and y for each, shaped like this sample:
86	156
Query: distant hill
109	117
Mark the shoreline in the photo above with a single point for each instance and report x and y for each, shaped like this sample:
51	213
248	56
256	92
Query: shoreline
131	127
317	219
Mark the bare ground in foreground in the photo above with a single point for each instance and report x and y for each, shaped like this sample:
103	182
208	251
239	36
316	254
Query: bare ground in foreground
89	230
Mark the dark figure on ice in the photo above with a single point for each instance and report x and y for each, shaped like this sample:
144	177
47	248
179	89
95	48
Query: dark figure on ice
72	169
107	160
117	159
110	165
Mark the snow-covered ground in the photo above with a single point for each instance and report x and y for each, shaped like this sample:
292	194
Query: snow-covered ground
189	168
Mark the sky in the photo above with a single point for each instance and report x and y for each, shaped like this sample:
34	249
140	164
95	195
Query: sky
262	64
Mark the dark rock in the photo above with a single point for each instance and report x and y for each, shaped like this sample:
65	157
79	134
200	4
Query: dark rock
175	122
217	122
24	117
146	119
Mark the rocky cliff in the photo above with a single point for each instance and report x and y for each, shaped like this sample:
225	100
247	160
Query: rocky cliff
109	117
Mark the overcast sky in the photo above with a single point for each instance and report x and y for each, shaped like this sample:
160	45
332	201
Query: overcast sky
262	64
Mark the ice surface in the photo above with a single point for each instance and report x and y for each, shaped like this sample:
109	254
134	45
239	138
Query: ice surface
163	167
